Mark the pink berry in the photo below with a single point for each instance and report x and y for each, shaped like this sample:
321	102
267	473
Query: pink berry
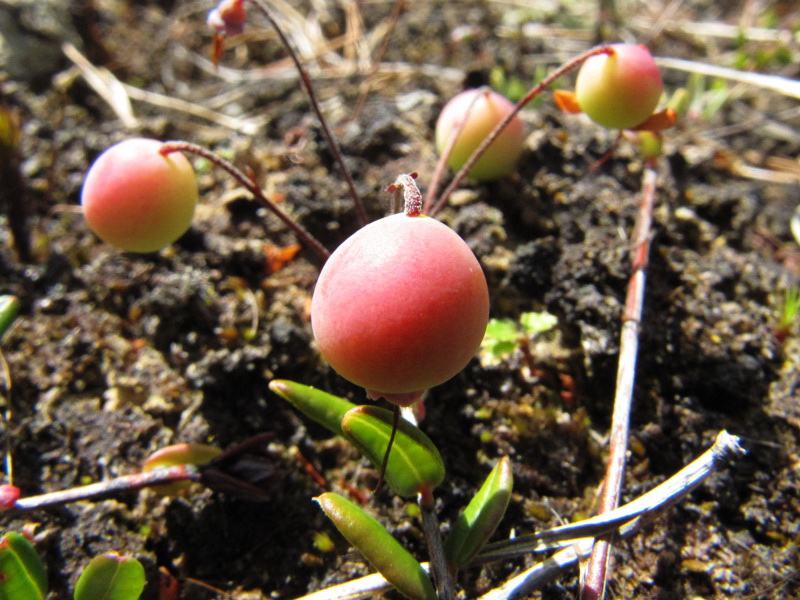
138	199
487	111
400	306
619	90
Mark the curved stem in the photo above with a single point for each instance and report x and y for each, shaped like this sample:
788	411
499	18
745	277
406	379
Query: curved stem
306	237
532	93
306	81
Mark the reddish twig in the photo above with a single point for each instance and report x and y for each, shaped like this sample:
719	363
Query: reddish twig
597	570
532	93
102	489
306	237
306	81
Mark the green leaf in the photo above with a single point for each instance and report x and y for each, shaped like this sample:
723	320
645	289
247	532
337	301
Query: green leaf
180	454
22	572
537	322
501	330
111	577
378	546
9	307
414	462
326	409
481	517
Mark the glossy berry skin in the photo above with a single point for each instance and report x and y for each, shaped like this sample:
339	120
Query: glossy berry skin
400	306
137	199
619	90
487	111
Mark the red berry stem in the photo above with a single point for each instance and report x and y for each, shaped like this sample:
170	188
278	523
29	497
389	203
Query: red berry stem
363	218
304	235
597	570
532	93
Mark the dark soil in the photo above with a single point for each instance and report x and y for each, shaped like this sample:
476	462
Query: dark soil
117	355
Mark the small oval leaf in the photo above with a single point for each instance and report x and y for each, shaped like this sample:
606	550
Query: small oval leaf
180	454
22	572
378	546
481	517
414	464
9	308
326	409
110	576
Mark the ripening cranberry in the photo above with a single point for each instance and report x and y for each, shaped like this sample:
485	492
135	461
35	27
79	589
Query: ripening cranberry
137	199
483	109
619	90
400	306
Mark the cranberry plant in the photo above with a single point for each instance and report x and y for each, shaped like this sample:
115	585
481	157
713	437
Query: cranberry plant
399	307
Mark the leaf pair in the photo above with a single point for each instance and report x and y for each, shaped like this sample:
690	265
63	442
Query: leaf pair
414	466
107	577
414	463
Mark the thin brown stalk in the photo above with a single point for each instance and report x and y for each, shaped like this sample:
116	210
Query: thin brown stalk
594	583
312	96
304	235
532	93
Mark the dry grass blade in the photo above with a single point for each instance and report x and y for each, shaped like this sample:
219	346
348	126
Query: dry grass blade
107	86
776	83
246	126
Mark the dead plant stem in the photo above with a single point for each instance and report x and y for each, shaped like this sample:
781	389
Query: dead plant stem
102	489
594	583
363	218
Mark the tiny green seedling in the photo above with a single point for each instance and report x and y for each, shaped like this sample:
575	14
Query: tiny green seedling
789	310
504	336
414	468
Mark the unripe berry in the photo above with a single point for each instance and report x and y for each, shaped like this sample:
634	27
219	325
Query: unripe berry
400	306
488	109
619	90
137	199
